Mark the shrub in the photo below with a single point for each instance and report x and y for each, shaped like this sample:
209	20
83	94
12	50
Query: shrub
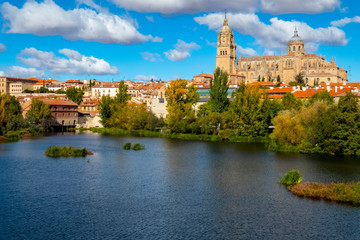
137	146
291	178
127	146
57	151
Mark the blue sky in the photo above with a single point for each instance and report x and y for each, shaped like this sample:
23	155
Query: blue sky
111	40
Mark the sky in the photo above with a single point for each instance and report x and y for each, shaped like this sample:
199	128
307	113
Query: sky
140	40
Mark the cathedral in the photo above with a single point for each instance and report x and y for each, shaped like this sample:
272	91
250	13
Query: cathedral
314	68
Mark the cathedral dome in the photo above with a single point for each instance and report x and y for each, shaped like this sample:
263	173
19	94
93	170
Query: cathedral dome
296	37
225	28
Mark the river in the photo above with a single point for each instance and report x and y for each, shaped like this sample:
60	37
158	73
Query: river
171	190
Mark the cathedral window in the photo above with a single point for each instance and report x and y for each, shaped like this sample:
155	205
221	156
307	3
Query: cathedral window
294	48
299	48
289	49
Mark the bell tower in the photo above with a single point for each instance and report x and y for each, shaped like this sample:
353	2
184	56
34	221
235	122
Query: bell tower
226	49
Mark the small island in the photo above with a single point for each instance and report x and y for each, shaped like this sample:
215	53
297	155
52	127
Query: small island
339	192
136	146
56	151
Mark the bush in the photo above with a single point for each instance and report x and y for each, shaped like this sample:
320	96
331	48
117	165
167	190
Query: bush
137	146
291	178
57	151
127	146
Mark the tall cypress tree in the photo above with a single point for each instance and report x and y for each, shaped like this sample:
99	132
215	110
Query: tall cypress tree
219	87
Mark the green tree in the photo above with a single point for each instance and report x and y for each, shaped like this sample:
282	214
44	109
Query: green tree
345	135
246	107
299	78
259	78
288	129
289	101
105	109
263	79
180	101
39	116
278	79
219	87
321	96
122	96
75	94
10	114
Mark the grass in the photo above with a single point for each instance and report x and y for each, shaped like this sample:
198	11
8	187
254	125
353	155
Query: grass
13	136
56	151
122	132
339	192
291	178
181	136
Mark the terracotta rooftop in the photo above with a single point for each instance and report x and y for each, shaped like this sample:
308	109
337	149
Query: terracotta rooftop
204	75
58	102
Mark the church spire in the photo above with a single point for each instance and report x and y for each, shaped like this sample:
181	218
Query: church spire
296	32
225	20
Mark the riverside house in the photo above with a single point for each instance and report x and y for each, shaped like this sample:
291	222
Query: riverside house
64	112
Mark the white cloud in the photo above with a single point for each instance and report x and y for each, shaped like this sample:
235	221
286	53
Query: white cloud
296	6
144	78
196	6
89	3
345	21
152	57
246	51
213	44
182	51
2	73
47	18
17	71
150	19
74	63
268	52
2	48
277	34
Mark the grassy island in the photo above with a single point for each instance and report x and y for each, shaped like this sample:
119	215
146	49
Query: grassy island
57	151
136	146
339	192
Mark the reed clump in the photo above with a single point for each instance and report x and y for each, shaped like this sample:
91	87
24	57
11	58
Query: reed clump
56	151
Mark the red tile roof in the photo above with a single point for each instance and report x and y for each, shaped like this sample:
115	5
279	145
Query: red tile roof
58	102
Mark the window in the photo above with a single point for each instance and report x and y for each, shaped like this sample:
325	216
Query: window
289	49
299	48
294	48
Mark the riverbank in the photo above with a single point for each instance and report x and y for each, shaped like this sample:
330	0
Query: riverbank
339	192
180	136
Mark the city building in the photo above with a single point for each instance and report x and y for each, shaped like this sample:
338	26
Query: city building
12	85
314	68
63	112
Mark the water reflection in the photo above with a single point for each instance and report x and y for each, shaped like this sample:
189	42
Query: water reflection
172	190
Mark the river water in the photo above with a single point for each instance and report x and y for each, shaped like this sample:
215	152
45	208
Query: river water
171	190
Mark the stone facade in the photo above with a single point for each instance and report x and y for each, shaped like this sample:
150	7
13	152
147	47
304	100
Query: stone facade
11	85
314	68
